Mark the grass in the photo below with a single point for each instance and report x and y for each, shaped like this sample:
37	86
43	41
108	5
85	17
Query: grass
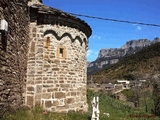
113	107
117	110
37	114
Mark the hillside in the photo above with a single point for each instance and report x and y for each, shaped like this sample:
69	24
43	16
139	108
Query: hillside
144	64
107	57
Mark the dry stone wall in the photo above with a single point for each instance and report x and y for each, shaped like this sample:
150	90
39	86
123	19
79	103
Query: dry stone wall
13	53
56	74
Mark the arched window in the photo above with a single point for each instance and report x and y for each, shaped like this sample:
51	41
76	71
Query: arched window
61	52
48	42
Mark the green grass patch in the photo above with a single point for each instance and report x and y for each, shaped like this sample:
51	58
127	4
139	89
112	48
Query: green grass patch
117	110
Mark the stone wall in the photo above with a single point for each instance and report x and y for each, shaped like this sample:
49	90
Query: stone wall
56	74
13	51
42	63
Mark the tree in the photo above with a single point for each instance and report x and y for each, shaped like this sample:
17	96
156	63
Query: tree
145	94
156	99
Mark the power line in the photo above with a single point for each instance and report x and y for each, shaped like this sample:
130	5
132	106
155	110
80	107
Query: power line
115	20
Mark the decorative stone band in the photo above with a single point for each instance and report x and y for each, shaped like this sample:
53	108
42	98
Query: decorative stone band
61	32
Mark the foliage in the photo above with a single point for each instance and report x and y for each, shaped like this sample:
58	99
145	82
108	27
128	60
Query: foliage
156	99
142	64
117	110
128	93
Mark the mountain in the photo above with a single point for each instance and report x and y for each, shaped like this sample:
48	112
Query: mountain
107	57
144	64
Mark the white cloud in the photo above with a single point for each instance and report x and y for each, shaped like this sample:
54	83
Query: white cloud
92	55
92	52
89	52
99	37
96	37
139	28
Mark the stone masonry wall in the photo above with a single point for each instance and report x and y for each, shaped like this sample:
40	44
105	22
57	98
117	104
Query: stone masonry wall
13	53
56	74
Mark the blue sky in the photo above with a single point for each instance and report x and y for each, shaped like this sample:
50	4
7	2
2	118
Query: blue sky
107	34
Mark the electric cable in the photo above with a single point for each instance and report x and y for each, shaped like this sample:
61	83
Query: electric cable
115	20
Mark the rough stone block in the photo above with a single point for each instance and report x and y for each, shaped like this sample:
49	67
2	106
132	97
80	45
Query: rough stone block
55	69
60	95
49	81
30	88
48	85
44	90
61	81
46	95
38	82
32	48
40	73
34	30
46	66
52	89
39	89
45	78
83	98
63	109
55	103
40	50
48	104
38	99
30	100
73	93
65	85
69	100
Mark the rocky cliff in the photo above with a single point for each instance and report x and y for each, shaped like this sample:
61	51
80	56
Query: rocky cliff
110	56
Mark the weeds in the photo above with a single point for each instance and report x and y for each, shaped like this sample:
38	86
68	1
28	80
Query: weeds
116	109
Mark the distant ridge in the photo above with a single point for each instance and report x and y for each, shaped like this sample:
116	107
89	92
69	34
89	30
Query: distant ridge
107	57
144	64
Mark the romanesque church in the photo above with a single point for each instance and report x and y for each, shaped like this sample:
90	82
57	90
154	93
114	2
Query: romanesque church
42	57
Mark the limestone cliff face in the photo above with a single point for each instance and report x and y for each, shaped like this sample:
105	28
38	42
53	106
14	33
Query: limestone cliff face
110	56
